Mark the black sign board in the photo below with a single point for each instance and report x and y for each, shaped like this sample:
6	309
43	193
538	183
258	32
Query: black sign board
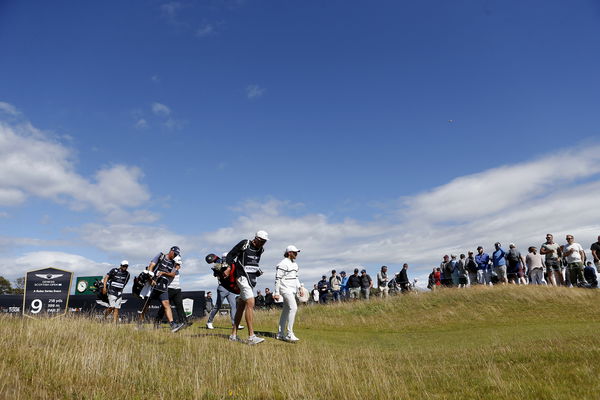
46	292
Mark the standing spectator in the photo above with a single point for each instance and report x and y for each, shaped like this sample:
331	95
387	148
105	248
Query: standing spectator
499	261
484	272
354	285
471	268
446	271
438	277
113	284
246	256
515	261
323	287
366	283
344	286
463	273
208	302
259	302
553	254
430	280
382	282
575	257
454	267
269	302
303	294
535	266
335	283
315	294
286	286
595	248
403	278
590	276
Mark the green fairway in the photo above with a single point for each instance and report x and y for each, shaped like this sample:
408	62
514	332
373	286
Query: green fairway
500	343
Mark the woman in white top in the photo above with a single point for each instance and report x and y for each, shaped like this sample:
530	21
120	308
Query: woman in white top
286	286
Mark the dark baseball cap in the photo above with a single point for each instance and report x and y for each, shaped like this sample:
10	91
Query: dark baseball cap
175	249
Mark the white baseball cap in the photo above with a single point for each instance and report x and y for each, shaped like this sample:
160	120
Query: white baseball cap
124	262
293	248
262	235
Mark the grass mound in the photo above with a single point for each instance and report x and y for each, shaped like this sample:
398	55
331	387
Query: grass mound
501	343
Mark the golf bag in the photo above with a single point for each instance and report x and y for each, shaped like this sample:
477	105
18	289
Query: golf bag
225	273
101	298
140	283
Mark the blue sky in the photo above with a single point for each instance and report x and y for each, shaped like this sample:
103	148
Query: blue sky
365	133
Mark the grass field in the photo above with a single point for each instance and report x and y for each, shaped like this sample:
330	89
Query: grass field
478	343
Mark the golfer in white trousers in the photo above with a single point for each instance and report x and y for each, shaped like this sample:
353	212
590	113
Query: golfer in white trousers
286	286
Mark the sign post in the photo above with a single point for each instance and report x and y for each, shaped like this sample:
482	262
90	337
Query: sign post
46	292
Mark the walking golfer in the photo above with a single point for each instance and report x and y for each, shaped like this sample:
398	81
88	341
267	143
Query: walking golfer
246	256
286	286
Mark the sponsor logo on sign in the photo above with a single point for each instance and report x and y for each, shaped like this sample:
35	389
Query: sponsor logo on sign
49	276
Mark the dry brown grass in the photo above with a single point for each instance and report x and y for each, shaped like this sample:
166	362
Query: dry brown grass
501	343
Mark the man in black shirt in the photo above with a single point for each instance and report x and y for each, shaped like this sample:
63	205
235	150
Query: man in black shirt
243	258
366	283
596	254
323	287
403	279
354	285
114	282
269	299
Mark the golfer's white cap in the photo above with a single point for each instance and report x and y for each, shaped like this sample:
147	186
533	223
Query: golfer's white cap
293	248
124	262
224	255
177	260
262	235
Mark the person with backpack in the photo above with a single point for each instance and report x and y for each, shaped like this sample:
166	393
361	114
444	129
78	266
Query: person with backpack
113	285
286	286
471	269
174	291
224	294
163	269
242	261
515	262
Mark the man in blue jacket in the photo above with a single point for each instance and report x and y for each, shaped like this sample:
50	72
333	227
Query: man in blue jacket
484	271
499	261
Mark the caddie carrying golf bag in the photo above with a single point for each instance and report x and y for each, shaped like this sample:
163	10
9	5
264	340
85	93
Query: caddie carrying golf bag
224	272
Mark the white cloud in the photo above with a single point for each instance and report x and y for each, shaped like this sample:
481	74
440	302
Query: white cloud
33	163
254	91
141	124
45	259
205	30
9	109
160	109
173	124
135	241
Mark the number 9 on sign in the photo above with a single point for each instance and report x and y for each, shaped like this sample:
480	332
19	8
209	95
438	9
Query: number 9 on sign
36	306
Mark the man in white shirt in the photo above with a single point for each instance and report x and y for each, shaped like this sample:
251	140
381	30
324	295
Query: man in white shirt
575	257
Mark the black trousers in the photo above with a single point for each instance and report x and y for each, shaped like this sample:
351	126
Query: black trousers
175	300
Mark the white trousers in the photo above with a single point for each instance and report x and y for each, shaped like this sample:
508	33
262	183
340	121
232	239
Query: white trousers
288	314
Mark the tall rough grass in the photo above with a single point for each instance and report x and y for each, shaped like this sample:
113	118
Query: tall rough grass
500	343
